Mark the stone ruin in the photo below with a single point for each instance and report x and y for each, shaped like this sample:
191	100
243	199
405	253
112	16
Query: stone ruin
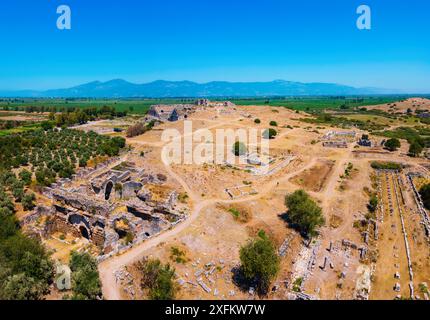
113	210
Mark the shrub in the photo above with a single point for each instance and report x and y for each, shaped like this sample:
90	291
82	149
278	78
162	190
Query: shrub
273	123
386	165
392	144
28	201
25	177
270	133
239	149
425	195
257	121
373	203
157	279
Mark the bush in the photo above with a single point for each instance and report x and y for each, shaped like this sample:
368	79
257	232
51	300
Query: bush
157	279
386	165
392	144
28	201
273	123
304	213
25	177
373	203
260	262
257	121
239	149
425	195
270	133
138	129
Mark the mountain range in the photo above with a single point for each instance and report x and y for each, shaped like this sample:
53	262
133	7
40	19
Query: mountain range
119	88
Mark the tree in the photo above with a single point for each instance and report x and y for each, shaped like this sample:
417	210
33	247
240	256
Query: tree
239	149
425	195
25	268
257	121
25	177
28	201
85	277
392	144
47	125
119	142
21	287
260	262
270	133
273	123
373	203
157	279
415	149
304	213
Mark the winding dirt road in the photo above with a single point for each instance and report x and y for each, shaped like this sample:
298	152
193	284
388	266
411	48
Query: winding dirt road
111	289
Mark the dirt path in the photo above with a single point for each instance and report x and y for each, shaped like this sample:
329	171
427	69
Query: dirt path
111	289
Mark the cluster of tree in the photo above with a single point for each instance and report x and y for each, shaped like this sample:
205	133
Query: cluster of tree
157	280
54	153
86	283
139	129
25	267
259	262
304	213
425	195
417	137
10	184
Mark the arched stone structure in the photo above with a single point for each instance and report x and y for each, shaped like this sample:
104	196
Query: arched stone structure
108	190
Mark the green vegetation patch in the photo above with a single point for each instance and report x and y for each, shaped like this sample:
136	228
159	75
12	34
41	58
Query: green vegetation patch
304	214
380	165
157	280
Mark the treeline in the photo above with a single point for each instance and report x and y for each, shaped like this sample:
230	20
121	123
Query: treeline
10	124
73	116
90	111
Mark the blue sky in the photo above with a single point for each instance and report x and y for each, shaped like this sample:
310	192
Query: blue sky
205	40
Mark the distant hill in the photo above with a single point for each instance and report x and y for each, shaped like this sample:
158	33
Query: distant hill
167	89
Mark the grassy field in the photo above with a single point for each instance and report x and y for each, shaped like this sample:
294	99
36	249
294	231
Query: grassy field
23	128
141	106
318	103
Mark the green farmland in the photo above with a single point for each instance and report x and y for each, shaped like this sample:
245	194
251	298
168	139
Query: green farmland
141	106
319	103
